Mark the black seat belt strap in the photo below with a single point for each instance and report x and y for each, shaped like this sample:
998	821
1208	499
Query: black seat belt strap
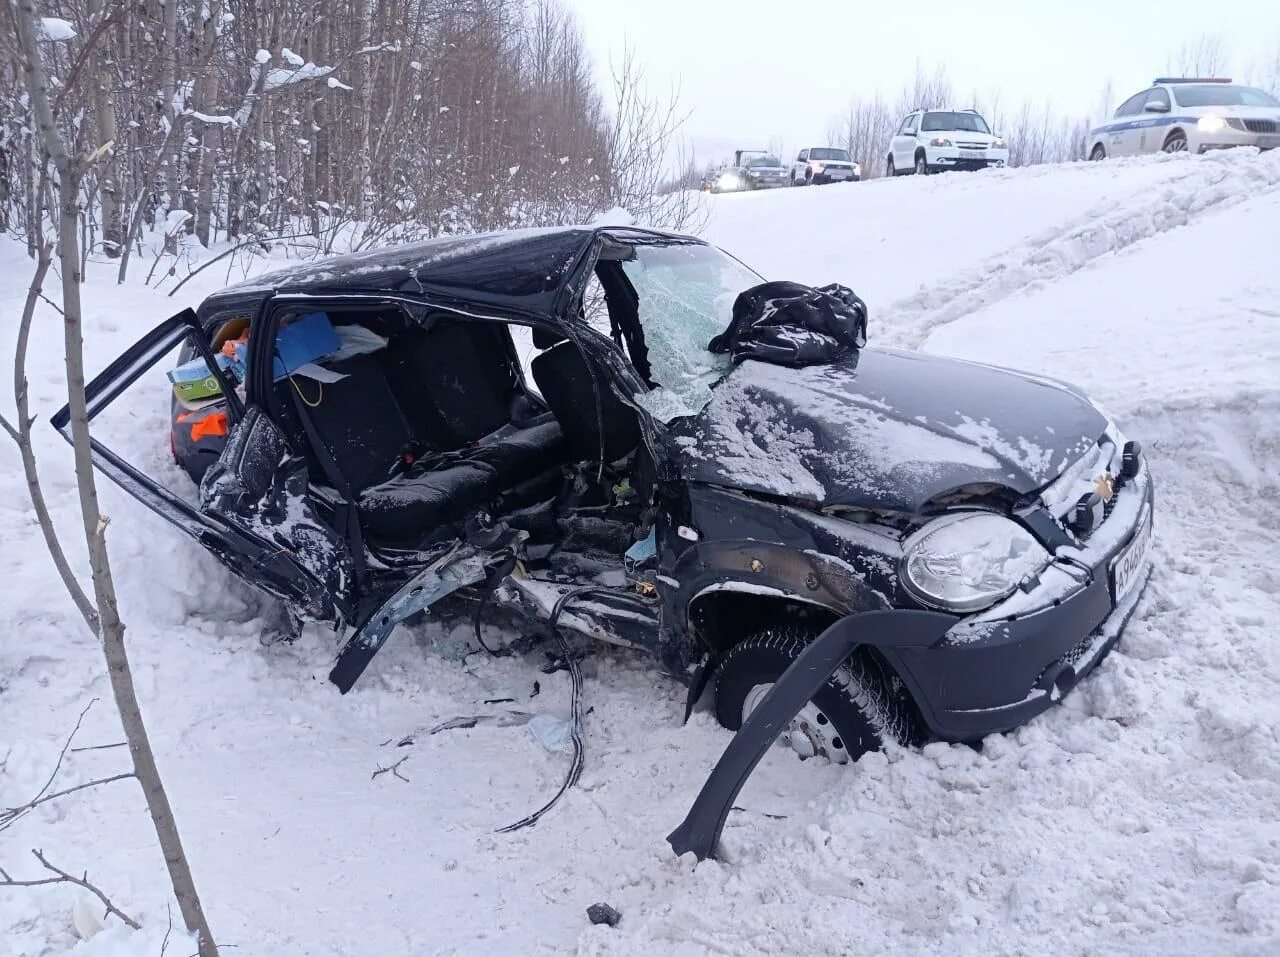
349	517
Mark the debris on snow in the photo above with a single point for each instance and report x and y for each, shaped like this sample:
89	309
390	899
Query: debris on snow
603	914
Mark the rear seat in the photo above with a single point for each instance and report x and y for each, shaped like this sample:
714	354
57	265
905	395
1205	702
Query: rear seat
366	431
406	508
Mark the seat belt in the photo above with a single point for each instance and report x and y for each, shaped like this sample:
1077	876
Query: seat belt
349	515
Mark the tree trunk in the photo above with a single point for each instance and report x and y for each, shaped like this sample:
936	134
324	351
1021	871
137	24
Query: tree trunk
104	113
211	135
110	627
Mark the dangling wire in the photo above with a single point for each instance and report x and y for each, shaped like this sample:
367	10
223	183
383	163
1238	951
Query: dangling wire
302	396
575	704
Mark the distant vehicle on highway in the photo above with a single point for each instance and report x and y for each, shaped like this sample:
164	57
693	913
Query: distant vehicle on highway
751	169
932	140
1180	114
824	164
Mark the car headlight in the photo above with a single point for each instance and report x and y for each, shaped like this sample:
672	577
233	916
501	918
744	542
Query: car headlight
1210	124
969	561
817	167
940	141
1236	124
997	144
857	169
727	181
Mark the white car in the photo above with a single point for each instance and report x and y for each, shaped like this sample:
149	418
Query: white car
933	140
824	164
1176	114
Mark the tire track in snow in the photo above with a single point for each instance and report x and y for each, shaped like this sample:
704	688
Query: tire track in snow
1214	182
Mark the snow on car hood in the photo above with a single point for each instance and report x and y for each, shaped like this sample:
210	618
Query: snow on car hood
884	430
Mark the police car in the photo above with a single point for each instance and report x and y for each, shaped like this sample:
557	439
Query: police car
1177	114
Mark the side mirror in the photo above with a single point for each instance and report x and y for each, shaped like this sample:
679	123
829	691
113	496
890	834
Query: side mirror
1156	106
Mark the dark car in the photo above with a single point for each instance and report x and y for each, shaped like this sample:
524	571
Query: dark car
751	169
645	491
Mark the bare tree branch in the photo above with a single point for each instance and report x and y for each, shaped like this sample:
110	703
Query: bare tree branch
64	878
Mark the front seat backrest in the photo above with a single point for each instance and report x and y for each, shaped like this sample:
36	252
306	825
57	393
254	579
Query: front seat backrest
565	381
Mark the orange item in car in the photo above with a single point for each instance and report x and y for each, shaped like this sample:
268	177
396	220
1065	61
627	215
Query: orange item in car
212	425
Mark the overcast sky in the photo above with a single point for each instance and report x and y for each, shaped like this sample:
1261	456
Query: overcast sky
755	73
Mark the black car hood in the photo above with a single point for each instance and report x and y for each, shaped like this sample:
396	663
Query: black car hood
884	430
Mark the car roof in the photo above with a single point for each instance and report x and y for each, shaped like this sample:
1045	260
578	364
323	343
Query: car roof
521	270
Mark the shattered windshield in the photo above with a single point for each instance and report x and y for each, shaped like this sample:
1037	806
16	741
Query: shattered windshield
686	297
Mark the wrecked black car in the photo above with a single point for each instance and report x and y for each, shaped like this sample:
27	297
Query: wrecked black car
534	418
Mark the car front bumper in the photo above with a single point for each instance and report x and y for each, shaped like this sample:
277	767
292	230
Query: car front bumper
1229	138
837	176
996	670
951	157
767	182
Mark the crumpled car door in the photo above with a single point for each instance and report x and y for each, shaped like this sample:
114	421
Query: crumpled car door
253	516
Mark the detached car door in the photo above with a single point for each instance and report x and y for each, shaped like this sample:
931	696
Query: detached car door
253	515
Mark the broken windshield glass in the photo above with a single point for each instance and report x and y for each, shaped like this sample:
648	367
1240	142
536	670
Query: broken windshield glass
686	297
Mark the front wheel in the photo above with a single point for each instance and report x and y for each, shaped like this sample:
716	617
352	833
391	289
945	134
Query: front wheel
888	168
922	165
857	710
1176	143
1099	153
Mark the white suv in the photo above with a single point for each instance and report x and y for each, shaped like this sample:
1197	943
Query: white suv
932	140
824	164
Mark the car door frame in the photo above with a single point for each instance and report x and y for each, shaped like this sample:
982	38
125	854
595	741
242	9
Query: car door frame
904	156
246	553
1123	137
1153	121
798	167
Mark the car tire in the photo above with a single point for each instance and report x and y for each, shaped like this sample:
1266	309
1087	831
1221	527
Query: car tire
857	710
889	169
1099	153
1176	142
922	165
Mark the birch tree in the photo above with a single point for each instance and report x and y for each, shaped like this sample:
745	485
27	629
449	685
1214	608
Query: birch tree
102	616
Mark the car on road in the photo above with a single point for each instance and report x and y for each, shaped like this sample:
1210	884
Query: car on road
824	164
1186	114
751	169
388	446
929	141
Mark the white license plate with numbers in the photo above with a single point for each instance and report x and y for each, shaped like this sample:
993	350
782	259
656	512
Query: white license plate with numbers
1130	565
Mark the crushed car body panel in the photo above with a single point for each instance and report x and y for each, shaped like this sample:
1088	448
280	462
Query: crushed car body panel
884	430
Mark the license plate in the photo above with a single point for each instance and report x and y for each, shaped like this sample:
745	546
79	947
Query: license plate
1128	567
837	173
972	154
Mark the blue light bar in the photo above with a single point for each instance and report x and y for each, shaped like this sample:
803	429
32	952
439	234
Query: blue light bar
1190	79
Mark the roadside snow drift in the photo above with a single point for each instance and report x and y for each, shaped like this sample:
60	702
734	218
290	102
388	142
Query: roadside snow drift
1141	816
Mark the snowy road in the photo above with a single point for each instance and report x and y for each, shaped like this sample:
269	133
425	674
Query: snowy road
1143	816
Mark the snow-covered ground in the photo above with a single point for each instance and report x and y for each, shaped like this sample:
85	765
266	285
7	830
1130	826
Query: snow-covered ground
1142	816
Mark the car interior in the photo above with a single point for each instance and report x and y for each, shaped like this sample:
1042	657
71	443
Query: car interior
441	422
